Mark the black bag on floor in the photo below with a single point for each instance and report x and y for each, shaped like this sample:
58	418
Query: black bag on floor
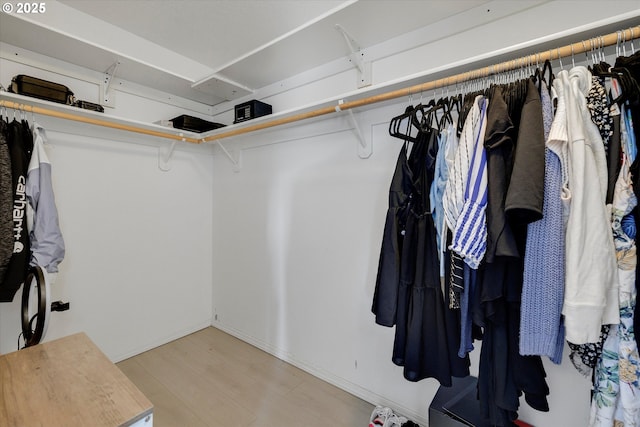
42	89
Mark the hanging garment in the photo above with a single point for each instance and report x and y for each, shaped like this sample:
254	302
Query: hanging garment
470	233
541	326
526	187
628	69
47	244
624	91
504	374
19	263
629	73
27	138
591	272
453	197
427	333
499	143
385	298
447	146
452	263
435	194
585	356
409	260
598	105
615	152
616	396
467	331
531	179
499	147
6	202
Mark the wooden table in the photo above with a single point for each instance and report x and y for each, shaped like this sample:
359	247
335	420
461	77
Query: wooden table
68	382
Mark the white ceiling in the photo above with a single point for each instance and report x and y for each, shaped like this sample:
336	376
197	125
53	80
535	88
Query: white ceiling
219	33
217	50
213	33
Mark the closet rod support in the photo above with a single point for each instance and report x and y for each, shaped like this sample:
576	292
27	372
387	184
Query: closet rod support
165	155
237	162
365	148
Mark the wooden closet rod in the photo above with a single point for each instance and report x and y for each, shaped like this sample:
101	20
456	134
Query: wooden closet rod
98	122
561	52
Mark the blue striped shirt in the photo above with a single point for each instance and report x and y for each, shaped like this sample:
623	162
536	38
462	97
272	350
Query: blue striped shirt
470	234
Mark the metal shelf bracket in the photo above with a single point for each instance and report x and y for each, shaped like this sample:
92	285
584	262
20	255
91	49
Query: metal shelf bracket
357	58
107	98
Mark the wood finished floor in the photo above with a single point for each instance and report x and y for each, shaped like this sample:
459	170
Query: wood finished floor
211	379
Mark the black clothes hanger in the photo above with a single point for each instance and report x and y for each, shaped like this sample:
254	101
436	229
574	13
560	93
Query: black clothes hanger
537	77
446	114
455	103
600	69
541	76
629	85
431	114
548	68
404	126
422	116
514	95
465	107
447	117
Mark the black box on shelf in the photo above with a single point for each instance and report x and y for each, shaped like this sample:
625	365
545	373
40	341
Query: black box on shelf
250	110
86	105
194	124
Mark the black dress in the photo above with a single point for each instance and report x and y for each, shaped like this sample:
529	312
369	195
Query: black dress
385	298
427	331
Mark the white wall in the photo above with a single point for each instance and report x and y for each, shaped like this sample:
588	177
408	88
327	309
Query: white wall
297	236
137	270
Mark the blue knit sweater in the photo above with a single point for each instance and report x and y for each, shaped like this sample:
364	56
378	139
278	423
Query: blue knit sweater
541	327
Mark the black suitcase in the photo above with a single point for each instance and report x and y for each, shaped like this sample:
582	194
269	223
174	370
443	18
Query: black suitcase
42	89
86	105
